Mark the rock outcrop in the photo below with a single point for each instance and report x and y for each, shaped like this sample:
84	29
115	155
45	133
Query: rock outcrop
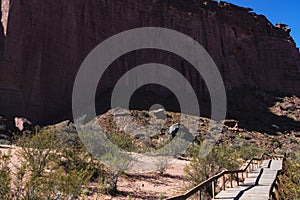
47	41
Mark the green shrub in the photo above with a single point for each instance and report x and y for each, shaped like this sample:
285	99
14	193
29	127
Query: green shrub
248	152
219	158
290	179
50	168
276	142
5	176
123	141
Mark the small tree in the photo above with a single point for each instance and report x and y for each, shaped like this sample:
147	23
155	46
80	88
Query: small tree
219	158
162	164
112	153
36	154
52	169
119	162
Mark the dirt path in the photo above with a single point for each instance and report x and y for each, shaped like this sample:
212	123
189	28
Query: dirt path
134	185
151	185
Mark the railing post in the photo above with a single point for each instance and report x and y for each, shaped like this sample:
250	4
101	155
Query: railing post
231	180
224	186
243	177
199	194
213	189
237	178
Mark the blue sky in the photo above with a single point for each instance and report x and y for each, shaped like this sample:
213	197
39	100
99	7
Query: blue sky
287	12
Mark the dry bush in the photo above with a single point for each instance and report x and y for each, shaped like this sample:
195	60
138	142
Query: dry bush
51	169
5	176
202	167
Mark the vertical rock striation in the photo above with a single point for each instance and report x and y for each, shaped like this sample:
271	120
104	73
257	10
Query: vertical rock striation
47	40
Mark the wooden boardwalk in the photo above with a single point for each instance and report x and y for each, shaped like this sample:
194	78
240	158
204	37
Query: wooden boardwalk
258	184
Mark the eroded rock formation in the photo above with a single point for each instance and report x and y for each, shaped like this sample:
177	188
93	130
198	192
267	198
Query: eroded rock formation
47	41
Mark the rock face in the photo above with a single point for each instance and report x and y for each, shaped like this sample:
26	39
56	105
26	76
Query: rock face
47	41
7	131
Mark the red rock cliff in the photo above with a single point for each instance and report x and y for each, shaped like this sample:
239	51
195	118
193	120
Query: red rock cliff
47	41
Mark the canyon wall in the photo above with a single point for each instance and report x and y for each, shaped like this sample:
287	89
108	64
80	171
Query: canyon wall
47	40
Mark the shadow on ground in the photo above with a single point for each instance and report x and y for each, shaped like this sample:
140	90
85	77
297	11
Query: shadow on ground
252	109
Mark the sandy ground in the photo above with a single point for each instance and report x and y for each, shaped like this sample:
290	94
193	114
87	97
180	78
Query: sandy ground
152	185
149	185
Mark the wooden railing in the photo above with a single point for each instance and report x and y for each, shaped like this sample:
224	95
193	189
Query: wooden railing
211	182
274	194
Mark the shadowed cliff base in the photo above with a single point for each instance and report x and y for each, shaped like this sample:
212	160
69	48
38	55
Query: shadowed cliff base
253	110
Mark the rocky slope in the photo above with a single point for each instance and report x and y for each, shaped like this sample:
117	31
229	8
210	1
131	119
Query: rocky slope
173	182
46	42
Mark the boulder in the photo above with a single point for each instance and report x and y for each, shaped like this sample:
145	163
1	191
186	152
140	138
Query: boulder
288	106
139	135
173	129
160	113
21	123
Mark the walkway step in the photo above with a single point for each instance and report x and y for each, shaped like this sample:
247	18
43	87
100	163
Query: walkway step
248	190
276	164
264	186
231	193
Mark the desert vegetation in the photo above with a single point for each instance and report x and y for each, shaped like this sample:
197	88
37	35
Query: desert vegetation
289	180
53	163
221	157
52	166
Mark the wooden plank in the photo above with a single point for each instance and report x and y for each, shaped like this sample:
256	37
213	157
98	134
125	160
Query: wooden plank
265	164
261	191
231	193
251	191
